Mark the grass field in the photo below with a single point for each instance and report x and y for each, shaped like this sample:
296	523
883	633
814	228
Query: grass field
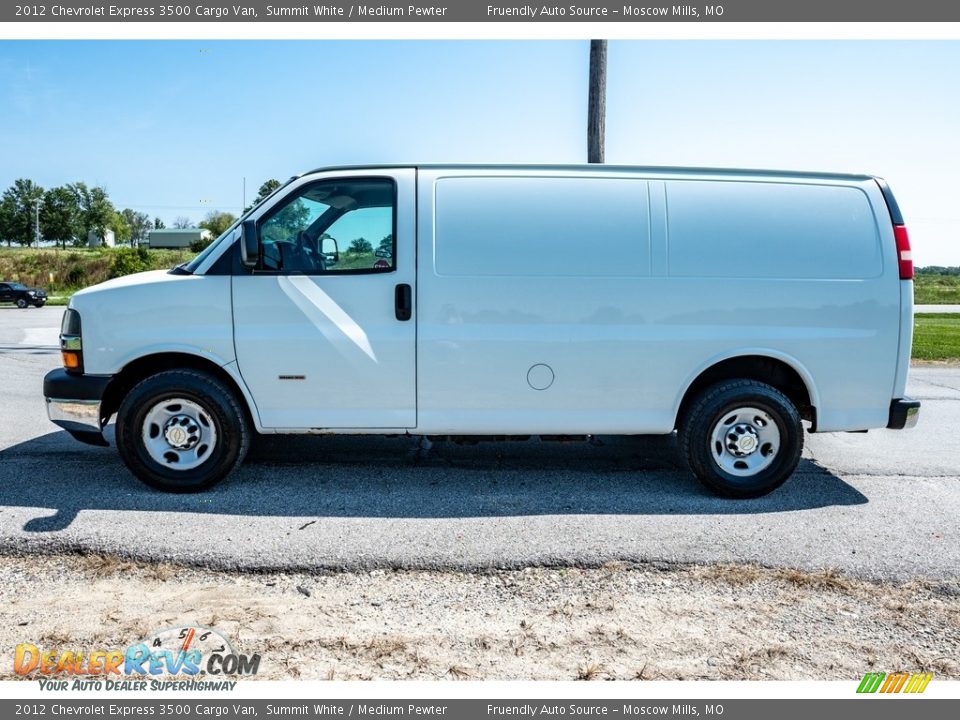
936	289
62	272
936	336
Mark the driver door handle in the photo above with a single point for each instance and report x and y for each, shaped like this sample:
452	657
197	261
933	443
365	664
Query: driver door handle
403	302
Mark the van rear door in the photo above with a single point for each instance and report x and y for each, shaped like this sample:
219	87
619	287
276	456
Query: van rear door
905	267
324	328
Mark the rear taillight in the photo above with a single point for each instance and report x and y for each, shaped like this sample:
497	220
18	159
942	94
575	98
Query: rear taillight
904	256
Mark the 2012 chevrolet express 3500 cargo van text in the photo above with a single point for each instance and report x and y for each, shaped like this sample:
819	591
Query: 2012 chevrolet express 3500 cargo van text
436	300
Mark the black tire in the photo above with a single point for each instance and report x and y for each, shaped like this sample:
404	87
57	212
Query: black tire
708	410
21	303
219	404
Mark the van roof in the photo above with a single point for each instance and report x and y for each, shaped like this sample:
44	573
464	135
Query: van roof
671	170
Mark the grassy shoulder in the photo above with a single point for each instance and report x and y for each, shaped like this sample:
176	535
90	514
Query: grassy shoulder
936	289
936	336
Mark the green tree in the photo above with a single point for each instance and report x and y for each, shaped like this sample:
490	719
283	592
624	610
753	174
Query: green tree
120	227
8	211
96	210
360	246
266	190
139	224
19	213
158	224
386	243
60	215
217	222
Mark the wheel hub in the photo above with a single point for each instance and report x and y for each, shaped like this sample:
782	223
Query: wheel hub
745	441
742	440
181	432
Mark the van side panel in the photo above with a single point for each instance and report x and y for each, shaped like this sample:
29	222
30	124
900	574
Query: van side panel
518	270
772	230
161	313
534	280
515	227
803	268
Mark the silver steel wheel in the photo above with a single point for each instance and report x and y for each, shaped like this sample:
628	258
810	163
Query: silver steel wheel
745	441
179	434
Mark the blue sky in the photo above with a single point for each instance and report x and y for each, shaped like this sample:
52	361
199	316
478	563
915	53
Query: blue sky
173	127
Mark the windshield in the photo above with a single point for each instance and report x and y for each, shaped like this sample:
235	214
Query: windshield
191	267
227	235
17	286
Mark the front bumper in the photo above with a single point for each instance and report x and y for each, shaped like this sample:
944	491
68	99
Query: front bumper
904	414
73	403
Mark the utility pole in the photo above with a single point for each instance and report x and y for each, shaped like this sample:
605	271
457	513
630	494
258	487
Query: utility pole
36	216
597	101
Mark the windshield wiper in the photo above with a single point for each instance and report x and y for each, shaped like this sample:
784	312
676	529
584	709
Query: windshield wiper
180	269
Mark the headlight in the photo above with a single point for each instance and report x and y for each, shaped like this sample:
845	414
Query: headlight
70	325
32	293
71	343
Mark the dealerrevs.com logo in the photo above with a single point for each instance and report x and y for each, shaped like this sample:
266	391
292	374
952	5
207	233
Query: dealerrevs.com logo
174	652
899	682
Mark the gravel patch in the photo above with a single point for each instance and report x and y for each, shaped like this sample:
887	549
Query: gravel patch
618	621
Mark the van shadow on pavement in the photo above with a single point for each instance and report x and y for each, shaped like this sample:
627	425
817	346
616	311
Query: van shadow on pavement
396	477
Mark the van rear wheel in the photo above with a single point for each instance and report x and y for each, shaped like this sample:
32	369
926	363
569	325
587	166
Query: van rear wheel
182	431
741	438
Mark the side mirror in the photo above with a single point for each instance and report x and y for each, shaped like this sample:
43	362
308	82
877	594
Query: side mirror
249	244
330	250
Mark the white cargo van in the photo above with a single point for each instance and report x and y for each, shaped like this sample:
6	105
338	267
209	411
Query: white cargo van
728	305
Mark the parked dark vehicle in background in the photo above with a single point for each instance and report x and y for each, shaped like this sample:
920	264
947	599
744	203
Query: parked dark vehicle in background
22	296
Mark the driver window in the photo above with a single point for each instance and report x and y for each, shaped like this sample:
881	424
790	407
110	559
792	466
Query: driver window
332	226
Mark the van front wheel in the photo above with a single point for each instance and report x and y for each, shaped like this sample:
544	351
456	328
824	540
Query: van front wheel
741	438
182	431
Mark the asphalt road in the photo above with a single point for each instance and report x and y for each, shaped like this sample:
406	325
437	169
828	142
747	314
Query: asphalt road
880	505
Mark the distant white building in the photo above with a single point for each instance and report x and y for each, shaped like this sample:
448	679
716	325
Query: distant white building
176	238
94	240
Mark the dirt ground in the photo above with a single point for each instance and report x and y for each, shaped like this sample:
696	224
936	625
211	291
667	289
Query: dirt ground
613	622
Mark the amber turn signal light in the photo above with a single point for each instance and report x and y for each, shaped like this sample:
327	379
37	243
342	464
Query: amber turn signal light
71	360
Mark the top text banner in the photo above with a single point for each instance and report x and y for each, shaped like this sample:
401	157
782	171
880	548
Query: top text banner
480	11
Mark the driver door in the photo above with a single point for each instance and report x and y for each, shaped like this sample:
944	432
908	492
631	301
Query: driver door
323	326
